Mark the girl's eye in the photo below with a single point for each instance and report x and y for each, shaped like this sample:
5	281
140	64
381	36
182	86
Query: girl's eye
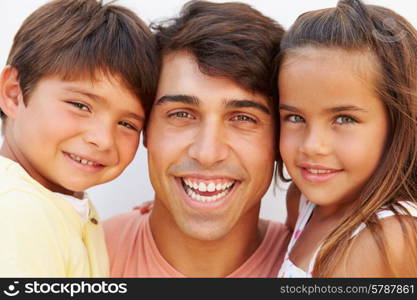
128	125
344	120
294	119
79	105
244	118
181	115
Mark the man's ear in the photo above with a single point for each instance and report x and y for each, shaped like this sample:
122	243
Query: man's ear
10	92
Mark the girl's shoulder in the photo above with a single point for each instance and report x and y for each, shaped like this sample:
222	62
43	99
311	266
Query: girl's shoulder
398	226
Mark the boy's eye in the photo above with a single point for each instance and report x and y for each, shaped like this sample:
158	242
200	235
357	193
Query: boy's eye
243	118
294	119
344	120
181	115
79	105
128	125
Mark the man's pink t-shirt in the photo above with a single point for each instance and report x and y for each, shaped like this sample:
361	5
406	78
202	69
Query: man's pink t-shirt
133	252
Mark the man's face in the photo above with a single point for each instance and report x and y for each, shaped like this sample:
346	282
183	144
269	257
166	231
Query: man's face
210	151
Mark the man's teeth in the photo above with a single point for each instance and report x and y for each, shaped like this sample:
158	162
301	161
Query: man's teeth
82	160
202	198
193	189
210	187
315	171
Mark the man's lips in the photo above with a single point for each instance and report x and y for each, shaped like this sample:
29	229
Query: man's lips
207	190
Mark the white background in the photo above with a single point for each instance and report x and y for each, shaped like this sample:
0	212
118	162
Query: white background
133	186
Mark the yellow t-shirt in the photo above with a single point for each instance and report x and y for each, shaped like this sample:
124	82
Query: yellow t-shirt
42	235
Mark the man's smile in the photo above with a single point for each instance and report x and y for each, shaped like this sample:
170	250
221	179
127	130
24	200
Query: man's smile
207	190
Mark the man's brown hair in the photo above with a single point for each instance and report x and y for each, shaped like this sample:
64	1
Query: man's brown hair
231	40
78	38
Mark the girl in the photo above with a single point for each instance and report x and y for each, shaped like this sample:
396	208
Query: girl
348	106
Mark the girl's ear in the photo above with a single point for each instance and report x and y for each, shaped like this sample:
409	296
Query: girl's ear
10	92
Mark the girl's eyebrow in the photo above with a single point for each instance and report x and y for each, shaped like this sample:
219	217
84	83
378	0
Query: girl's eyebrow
345	108
330	110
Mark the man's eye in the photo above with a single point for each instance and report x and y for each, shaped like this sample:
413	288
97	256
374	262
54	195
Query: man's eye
79	105
341	120
181	115
243	118
294	118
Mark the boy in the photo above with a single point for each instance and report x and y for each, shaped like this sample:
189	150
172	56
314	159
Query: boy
79	82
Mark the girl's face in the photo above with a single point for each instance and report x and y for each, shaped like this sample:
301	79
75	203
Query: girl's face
333	125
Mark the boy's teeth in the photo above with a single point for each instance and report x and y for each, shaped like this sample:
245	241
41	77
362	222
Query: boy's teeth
82	160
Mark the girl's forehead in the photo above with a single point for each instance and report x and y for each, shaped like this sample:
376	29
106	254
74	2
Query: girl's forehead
359	62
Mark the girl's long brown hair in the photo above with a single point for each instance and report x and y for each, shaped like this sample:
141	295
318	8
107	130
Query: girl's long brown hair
353	26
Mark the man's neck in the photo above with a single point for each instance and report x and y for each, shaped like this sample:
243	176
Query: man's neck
206	258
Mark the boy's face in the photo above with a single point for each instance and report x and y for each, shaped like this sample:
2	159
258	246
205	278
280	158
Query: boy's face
72	135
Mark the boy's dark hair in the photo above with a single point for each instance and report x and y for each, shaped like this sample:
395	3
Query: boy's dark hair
78	38
231	40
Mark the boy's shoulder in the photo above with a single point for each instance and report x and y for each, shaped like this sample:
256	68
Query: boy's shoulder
16	182
21	195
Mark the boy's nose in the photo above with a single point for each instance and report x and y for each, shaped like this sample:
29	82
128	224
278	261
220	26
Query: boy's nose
101	136
209	144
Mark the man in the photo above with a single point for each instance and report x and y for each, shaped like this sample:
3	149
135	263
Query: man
211	151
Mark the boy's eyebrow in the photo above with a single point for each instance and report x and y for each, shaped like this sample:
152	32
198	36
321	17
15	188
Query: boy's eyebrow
85	93
249	104
98	98
330	110
185	99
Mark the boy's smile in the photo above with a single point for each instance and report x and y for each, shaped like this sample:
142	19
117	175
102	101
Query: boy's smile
71	135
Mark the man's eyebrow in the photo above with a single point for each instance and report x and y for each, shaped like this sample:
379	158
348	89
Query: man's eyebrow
288	107
185	99
249	104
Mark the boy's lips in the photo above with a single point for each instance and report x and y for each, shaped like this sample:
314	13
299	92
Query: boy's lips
83	162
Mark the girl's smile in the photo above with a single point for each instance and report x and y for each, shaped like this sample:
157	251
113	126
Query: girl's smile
333	124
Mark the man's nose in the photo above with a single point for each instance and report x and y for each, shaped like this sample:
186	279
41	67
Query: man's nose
209	145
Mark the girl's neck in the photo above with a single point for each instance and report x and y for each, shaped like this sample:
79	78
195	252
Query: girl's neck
334	211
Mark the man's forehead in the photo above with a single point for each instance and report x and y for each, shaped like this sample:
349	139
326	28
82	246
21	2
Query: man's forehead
181	80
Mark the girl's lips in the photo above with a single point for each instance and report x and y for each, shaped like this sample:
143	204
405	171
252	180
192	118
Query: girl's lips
319	177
